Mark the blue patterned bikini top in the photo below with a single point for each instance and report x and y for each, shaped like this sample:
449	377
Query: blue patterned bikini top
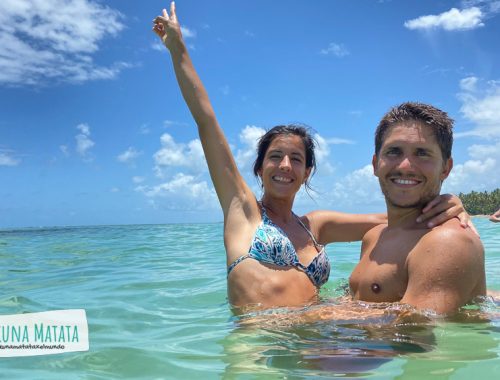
271	245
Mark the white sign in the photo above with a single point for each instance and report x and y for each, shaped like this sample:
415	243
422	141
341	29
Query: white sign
45	333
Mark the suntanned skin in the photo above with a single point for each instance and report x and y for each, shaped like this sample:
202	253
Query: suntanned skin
283	173
495	217
440	269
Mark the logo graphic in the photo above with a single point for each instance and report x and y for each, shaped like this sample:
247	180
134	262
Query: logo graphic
45	333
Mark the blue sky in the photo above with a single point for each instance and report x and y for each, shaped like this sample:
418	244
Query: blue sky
93	129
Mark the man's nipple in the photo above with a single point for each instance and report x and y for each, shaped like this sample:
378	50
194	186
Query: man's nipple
375	288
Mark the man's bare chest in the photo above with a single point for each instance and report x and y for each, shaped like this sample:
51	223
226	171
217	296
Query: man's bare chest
381	274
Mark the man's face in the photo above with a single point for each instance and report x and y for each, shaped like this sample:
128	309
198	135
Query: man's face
410	166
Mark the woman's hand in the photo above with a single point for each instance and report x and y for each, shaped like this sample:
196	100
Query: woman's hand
445	207
168	28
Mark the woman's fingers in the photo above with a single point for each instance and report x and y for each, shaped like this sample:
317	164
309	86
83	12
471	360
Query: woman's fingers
473	228
464	219
157	30
432	203
165	18
160	20
166	25
172	11
466	222
437	208
440	218
452	212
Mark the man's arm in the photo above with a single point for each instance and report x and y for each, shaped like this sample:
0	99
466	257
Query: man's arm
445	270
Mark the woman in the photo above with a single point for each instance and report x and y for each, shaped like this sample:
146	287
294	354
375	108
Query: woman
495	217
286	263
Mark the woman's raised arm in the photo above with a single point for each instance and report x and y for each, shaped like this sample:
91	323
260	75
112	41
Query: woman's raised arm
226	178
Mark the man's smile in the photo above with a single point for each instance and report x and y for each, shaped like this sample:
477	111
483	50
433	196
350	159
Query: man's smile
405	181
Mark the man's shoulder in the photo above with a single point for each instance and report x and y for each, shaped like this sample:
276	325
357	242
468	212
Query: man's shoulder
374	233
452	238
449	232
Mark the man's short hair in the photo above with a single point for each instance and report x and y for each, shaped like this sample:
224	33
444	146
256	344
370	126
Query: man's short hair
439	121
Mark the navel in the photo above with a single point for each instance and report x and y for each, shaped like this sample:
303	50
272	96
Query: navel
375	288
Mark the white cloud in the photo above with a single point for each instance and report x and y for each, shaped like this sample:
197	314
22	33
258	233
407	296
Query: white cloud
359	187
339	141
84	128
183	189
47	40
481	107
173	123
188	33
158	46
358	190
356	113
454	19
114	190
479	152
488	6
6	159
322	152
249	137
174	154
129	155
183	192
83	141
64	149
468	84
338	50
144	129
473	175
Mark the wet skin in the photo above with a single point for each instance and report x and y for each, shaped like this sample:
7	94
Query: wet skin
404	261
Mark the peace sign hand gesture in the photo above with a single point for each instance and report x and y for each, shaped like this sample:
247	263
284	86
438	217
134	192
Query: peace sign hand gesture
168	28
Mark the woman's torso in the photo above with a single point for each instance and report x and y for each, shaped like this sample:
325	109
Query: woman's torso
265	281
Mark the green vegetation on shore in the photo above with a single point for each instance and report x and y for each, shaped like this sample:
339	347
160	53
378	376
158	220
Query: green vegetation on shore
481	203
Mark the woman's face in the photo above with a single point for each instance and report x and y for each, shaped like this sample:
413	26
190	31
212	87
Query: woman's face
284	166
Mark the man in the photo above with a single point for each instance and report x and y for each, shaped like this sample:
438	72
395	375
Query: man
441	268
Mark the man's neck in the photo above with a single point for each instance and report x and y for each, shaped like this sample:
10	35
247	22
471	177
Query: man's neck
405	218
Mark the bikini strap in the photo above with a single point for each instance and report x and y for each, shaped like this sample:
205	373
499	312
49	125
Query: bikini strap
265	217
308	231
236	262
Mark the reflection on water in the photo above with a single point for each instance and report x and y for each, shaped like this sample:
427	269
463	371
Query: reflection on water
349	339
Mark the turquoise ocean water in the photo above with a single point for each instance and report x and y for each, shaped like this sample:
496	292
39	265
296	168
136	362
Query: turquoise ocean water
155	298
